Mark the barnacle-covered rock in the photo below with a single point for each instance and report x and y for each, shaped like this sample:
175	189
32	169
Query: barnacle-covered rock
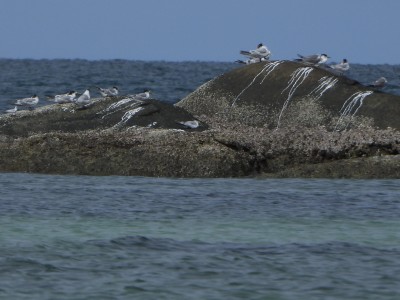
273	119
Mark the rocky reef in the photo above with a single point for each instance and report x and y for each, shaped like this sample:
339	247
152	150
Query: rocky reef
270	119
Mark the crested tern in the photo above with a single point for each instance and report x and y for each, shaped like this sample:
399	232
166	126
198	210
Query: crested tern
341	67
84	98
108	92
141	96
261	52
379	83
63	98
314	59
29	102
12	110
251	60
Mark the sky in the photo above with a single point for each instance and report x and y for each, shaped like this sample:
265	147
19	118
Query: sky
363	31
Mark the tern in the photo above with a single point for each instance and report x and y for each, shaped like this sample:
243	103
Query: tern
108	92
261	52
84	98
12	110
314	59
30	102
64	98
379	83
251	60
341	67
141	96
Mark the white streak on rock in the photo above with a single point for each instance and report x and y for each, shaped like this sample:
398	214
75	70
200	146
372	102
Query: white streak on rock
269	67
296	79
128	115
117	106
350	108
325	84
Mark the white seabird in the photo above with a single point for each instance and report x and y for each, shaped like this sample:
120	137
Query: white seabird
379	83
12	110
261	52
108	92
64	98
141	96
314	59
341	67
84	98
30	102
251	60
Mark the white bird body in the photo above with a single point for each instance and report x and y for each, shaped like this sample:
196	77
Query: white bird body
379	83
65	98
12	110
108	92
261	52
341	67
251	60
141	96
31	101
84	98
314	59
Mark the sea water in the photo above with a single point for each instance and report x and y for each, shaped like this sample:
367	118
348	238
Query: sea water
84	237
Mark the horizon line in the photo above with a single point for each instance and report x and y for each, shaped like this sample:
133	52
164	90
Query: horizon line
171	61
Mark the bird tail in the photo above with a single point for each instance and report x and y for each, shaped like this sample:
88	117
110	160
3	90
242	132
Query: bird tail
244	52
240	61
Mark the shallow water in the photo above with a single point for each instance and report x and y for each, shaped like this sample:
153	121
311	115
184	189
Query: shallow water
76	237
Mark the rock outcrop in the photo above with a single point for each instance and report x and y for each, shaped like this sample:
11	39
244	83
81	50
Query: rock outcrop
115	113
273	119
283	93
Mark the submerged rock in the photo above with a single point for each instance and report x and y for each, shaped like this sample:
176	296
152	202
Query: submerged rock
274	119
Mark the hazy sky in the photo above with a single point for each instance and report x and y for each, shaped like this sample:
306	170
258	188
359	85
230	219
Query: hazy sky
363	31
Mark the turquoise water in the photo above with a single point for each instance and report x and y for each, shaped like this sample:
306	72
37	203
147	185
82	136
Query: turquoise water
77	237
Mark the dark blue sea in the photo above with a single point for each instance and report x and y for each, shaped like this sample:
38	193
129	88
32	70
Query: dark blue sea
85	237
